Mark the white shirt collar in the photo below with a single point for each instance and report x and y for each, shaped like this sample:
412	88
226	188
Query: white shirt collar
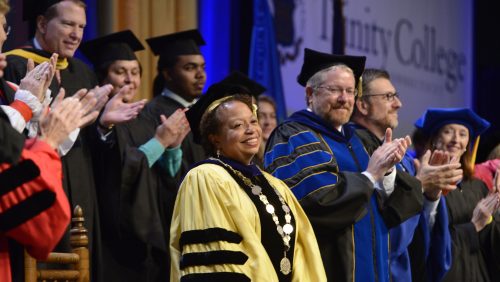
36	44
167	93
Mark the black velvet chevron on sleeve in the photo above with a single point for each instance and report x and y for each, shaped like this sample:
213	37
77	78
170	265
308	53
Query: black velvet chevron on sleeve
215	277
213	257
16	175
208	235
26	210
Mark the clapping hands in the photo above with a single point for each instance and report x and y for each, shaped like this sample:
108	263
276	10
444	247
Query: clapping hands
39	78
173	130
118	110
439	173
386	156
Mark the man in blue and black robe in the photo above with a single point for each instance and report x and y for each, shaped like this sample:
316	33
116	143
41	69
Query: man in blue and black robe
421	245
351	199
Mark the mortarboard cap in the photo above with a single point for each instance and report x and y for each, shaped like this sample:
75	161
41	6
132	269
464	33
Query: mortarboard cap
235	83
34	8
116	46
172	45
315	61
239	83
435	118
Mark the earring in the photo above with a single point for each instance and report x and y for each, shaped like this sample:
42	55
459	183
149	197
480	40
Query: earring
218	153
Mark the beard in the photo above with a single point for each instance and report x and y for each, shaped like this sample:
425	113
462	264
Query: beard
338	116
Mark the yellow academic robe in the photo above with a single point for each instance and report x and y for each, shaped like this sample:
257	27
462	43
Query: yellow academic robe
210	198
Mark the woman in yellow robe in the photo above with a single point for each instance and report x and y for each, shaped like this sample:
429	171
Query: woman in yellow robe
223	227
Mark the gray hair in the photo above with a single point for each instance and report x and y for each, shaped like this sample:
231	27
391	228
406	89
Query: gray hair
319	77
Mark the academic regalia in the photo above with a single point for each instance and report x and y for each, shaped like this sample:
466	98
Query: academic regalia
139	201
133	222
7	94
221	231
34	211
475	254
105	50
168	48
78	180
323	169
134	246
430	248
161	105
11	142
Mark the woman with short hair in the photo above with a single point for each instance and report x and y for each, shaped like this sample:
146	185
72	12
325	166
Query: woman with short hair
232	221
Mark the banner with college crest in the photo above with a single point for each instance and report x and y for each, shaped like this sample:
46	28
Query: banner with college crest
300	24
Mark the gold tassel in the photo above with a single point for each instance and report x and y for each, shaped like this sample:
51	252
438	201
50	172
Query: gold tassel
360	87
474	153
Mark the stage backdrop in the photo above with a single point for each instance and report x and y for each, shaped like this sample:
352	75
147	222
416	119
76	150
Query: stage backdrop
300	24
425	45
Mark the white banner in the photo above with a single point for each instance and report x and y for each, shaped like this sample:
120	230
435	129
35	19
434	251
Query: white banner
425	45
300	24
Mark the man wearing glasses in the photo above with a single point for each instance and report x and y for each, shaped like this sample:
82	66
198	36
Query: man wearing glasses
351	198
375	111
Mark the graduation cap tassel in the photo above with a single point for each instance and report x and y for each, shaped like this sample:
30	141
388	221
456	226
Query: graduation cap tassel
360	87
474	153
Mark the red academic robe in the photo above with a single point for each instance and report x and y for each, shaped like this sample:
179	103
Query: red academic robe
35	211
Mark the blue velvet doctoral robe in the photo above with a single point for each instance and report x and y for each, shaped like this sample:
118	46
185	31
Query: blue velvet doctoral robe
431	249
323	168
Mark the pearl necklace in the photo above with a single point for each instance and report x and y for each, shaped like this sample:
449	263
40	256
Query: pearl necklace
285	230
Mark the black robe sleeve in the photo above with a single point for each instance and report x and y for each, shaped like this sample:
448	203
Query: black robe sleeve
11	142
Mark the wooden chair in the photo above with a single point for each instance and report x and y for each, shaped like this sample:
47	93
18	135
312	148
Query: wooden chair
78	259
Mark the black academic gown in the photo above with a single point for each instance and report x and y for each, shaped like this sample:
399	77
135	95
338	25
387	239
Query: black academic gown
139	201
11	142
191	152
78	178
134	242
476	255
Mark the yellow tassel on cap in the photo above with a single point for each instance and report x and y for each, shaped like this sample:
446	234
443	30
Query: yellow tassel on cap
474	153
360	87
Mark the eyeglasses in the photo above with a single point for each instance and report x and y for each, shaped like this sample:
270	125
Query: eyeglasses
337	91
390	97
6	28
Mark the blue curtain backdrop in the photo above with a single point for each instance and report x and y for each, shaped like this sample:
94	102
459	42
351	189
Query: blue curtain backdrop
264	66
215	26
91	29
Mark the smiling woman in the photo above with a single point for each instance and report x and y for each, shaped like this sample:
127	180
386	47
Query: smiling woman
237	133
231	220
115	61
474	232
